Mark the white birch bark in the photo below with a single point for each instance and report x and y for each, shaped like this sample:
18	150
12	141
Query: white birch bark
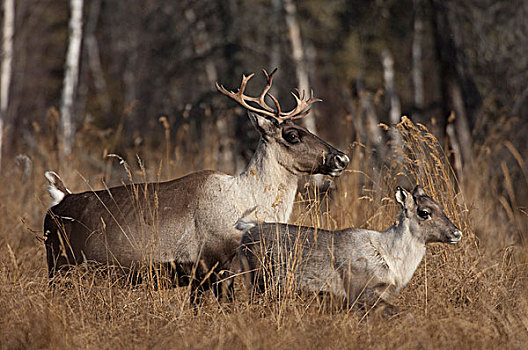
7	59
388	77
393	100
71	75
301	71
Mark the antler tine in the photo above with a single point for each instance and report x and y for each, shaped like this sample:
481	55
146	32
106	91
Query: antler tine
262	98
223	90
300	93
297	96
269	78
243	84
241	89
300	111
313	99
241	99
277	105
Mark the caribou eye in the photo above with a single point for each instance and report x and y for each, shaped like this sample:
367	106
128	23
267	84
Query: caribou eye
292	136
424	214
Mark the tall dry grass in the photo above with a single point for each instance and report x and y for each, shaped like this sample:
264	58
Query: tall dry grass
469	295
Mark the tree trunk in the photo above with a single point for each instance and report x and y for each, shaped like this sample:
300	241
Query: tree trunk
230	148
417	71
368	114
201	46
299	60
388	77
7	59
71	75
94	59
275	56
455	146
392	100
457	87
369	118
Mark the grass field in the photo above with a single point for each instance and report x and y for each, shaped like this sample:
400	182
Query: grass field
469	295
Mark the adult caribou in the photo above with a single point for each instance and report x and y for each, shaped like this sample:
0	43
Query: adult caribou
187	224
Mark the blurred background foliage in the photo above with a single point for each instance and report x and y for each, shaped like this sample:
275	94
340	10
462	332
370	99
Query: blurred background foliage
154	58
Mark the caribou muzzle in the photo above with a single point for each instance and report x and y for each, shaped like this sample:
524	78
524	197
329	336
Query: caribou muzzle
335	163
454	237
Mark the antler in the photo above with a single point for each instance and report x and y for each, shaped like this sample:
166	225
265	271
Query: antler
300	111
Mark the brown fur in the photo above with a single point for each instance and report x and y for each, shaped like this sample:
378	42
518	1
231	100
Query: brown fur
187	223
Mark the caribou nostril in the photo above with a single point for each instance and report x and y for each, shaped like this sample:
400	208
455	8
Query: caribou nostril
341	161
457	235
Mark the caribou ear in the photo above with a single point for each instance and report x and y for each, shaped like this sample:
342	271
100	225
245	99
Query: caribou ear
264	125
418	191
403	197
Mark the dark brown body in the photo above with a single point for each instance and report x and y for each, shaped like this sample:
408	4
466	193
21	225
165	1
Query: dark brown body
126	226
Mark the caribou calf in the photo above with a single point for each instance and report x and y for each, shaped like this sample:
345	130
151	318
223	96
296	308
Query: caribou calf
356	264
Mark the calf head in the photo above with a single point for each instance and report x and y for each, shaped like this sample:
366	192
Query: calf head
427	220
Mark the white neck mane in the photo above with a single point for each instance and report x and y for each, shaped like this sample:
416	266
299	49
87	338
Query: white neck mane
267	186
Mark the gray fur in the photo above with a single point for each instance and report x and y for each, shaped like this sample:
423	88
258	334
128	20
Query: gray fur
348	263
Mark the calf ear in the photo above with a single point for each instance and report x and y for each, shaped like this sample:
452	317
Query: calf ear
418	191
403	198
264	125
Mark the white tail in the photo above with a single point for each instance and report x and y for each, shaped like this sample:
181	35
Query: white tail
246	223
56	188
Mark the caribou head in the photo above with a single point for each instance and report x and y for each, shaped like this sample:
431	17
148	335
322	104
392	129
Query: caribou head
294	147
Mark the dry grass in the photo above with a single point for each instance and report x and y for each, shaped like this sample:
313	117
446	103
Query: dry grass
469	295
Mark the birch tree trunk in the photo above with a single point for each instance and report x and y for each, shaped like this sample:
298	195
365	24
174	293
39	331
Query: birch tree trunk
71	75
7	59
299	60
392	99
388	76
226	159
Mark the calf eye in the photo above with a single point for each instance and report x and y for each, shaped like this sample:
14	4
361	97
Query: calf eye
292	136
424	214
